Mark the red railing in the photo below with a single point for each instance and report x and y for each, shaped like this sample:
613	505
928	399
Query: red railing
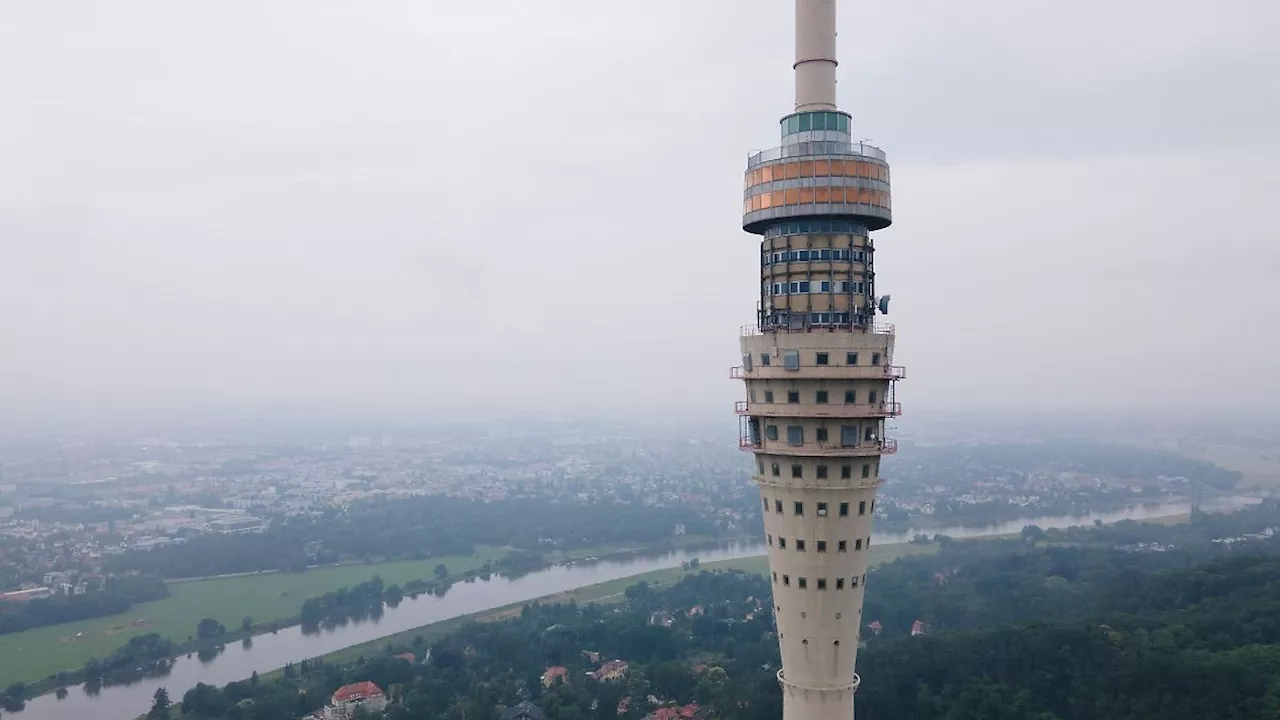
754	328
888	446
882	409
822	372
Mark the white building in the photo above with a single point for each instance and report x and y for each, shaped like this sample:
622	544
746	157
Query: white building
342	705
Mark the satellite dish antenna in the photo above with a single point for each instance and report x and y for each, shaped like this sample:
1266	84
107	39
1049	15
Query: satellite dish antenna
884	304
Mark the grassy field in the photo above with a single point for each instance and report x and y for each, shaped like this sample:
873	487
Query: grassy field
38	653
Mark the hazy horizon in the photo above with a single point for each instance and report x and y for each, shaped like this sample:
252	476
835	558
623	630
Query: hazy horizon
403	209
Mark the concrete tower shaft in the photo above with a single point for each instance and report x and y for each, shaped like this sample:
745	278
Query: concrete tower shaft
819	374
815	55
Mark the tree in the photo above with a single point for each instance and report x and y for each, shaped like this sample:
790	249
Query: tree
159	705
246	625
442	572
1031	534
209	628
638	591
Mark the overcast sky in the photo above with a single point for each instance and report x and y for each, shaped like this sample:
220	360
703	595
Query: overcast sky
416	206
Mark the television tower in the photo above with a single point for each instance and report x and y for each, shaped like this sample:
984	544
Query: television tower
819	374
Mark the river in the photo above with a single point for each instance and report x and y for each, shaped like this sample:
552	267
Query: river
271	651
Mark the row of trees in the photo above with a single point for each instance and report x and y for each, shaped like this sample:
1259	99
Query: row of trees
415	528
117	595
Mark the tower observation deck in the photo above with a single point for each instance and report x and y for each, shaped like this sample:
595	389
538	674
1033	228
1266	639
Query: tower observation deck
819	374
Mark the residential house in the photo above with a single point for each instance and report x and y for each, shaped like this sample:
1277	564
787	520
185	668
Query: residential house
557	673
686	712
612	670
342	705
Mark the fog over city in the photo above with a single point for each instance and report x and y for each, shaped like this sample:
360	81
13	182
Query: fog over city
534	207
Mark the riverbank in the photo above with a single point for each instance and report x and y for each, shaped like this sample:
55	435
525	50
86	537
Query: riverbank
51	657
271	600
608	592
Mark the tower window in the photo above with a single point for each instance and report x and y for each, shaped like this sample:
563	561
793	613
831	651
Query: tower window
786	580
769	537
821	397
821	359
853	581
795	434
844	509
766	503
871	397
822	507
776	470
768	396
792	359
782	543
857	544
851	359
862	507
765	359
822	583
802	583
793	397
875	358
799	507
822	472
822	546
846	471
799	545
850	396
771	432
842	546
777	506
839	586
866	470
775	578
848	435
797	471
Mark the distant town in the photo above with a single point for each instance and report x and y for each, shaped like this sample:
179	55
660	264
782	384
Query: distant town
66	503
